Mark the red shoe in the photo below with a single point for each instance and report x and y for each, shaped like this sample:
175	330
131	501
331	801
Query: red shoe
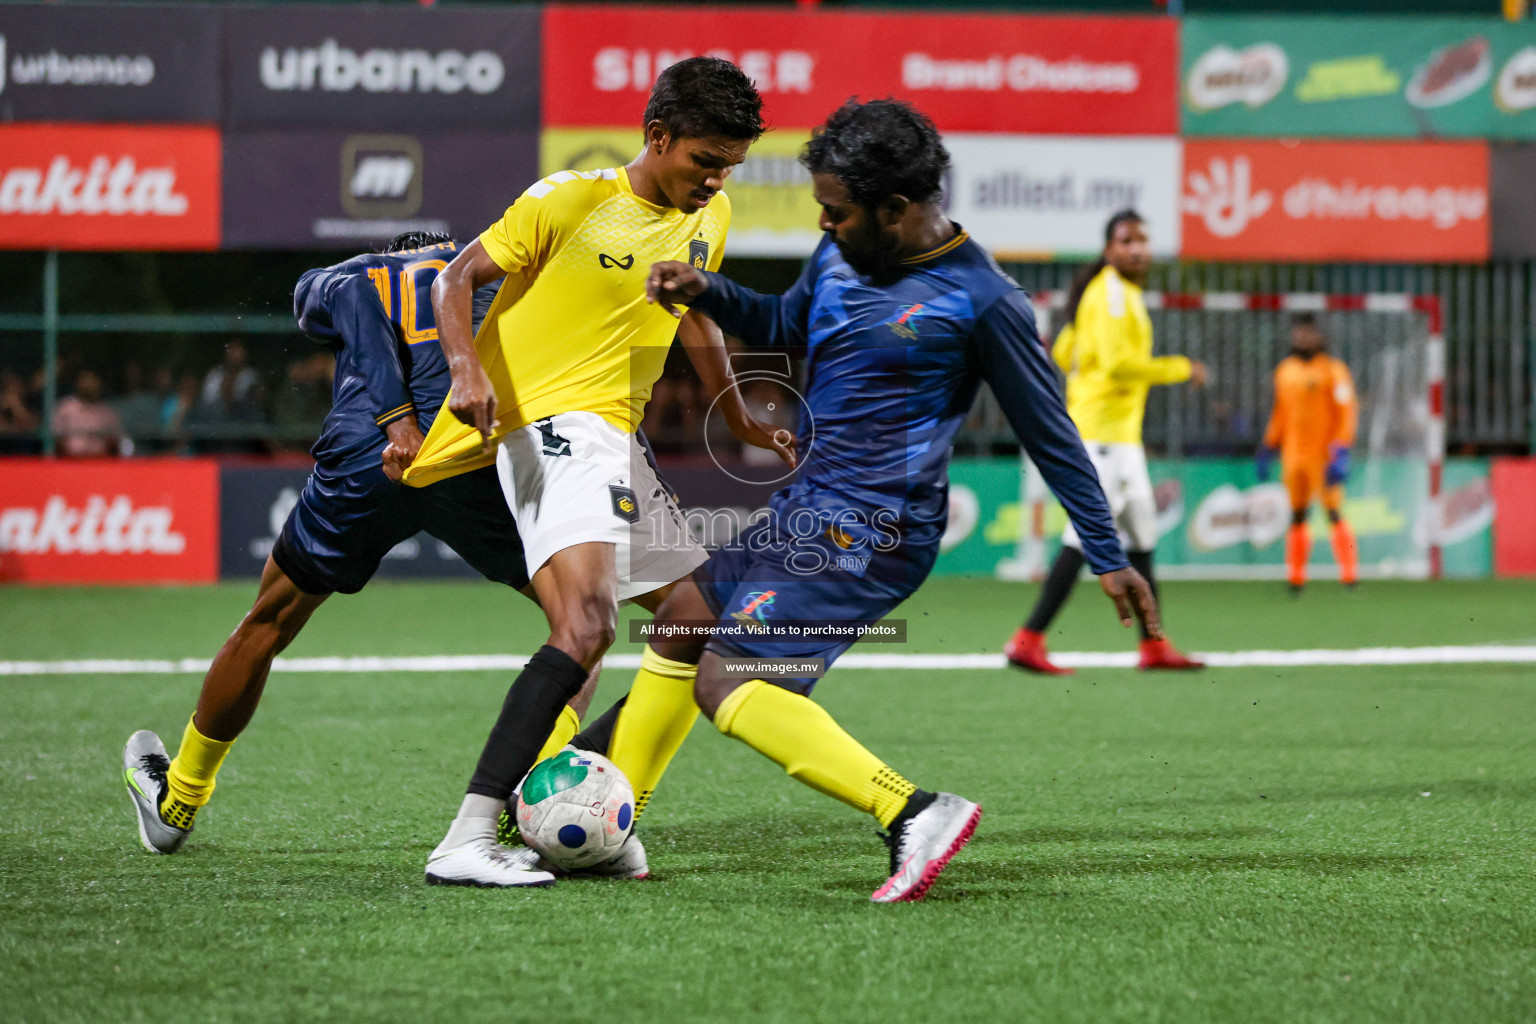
1161	654
1026	650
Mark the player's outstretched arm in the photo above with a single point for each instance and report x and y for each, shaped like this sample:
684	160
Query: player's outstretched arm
705	345
760	321
1009	357
472	398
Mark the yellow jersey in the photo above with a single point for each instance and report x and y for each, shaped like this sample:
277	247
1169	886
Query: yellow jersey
570	330
1107	355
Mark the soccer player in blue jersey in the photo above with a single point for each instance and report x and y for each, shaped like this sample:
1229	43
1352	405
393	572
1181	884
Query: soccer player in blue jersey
391	379
900	317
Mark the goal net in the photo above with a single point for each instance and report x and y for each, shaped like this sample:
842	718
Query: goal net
1216	519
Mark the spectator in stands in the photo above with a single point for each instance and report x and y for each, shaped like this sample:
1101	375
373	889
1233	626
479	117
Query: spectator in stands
179	411
232	390
139	406
85	425
18	423
306	397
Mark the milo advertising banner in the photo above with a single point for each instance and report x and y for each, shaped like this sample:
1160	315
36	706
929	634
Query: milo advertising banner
1398	77
1218	522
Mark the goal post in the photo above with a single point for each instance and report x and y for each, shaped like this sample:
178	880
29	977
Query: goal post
1395	348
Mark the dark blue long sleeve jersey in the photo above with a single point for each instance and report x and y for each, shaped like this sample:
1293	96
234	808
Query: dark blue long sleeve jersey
377	308
892	369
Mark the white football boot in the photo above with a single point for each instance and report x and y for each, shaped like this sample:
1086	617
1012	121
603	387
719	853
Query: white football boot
144	768
923	844
486	864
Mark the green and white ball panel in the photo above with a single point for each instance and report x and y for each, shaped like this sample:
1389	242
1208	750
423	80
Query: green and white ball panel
576	809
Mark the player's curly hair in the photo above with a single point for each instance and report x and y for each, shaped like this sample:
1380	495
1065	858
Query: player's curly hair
704	96
416	240
879	149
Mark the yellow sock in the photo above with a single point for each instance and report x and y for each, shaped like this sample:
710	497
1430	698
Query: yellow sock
190	782
799	736
565	728
653	723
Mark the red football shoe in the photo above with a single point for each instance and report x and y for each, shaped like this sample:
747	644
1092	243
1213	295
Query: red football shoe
1026	650
1161	654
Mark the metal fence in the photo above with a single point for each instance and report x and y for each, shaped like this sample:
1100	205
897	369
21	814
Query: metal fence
1490	325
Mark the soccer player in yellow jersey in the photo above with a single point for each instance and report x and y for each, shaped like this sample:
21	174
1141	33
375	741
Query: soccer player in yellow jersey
551	393
1106	352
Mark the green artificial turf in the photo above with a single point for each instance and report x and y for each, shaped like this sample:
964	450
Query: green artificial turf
1249	845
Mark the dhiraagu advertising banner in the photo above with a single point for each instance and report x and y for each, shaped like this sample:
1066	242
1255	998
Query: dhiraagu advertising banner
1358	76
772	211
1218	522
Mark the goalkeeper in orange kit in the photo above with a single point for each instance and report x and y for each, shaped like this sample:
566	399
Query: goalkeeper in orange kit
1312	429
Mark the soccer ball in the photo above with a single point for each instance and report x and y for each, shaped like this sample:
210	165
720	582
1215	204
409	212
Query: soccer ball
575	809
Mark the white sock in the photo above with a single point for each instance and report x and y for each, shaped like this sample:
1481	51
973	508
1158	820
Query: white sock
477	819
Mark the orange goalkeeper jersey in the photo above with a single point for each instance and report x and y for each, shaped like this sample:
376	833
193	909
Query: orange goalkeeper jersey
1315	407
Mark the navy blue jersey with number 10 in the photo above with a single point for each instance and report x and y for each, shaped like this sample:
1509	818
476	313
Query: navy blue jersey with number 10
377	308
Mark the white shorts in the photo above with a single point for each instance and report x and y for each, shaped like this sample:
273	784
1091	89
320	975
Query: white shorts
576	478
1123	474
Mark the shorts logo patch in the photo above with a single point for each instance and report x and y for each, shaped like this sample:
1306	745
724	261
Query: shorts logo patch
554	444
624	504
698	253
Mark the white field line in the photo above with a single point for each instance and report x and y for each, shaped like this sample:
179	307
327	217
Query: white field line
925	662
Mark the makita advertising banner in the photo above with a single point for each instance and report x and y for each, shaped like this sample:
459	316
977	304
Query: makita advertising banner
1407	201
333	190
109	521
254	502
72	186
109	63
382	68
1513	172
969	72
1430	77
1039	197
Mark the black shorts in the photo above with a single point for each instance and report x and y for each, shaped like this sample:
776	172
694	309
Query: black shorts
343	526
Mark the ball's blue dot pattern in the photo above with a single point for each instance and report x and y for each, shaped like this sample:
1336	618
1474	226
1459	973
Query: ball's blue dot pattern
625	813
572	836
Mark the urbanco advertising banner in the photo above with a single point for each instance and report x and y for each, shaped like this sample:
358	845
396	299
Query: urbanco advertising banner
101	187
109	521
772	210
383	68
1388	201
969	72
1038	197
1216	521
254	502
1404	77
334	190
1512	170
92	62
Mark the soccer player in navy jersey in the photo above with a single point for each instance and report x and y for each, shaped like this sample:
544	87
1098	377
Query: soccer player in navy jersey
900	317
391	380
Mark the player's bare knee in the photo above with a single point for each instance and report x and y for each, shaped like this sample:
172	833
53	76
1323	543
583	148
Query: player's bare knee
587	633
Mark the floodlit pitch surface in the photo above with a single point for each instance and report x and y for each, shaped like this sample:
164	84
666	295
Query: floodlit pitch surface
1248	844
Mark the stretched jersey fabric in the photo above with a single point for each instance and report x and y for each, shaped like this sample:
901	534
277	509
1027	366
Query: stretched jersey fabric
377	308
570	330
1109	363
1315	408
892	369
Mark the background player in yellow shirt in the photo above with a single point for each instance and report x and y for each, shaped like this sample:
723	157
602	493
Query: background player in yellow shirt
1312	429
1106	352
551	392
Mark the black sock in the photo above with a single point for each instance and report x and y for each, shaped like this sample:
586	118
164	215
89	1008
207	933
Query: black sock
598	735
1141	561
550	679
916	804
1057	588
